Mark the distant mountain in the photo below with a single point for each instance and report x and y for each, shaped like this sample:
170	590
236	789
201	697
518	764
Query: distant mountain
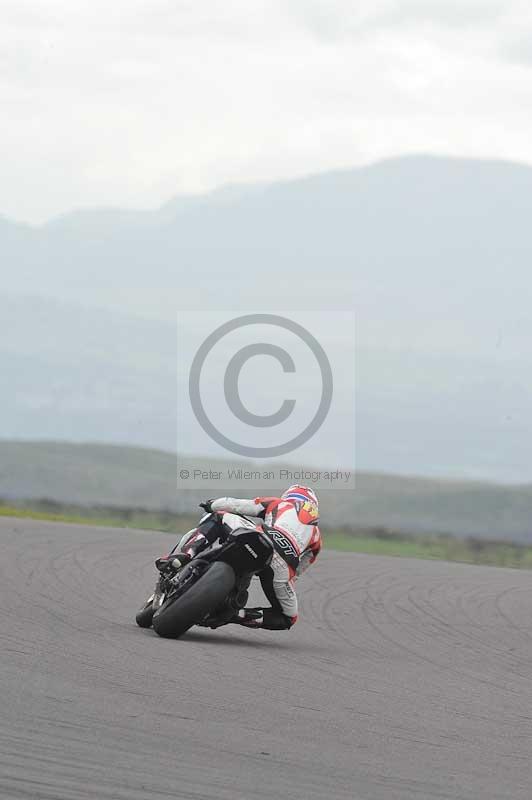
432	253
73	373
435	220
90	474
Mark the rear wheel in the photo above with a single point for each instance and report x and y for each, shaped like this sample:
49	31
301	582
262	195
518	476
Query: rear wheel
177	616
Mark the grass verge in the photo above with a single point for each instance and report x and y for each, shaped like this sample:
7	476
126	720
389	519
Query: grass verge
138	518
442	548
375	541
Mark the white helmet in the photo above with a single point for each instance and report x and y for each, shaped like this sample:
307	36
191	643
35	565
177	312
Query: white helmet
301	493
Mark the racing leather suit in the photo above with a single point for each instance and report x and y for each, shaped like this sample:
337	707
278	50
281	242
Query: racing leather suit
296	539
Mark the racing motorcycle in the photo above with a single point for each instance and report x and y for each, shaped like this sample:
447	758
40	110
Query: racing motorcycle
212	587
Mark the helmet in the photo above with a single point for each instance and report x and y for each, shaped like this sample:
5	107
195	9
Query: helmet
306	500
302	493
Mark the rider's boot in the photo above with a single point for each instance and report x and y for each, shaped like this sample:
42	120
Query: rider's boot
268	618
173	562
249	617
176	561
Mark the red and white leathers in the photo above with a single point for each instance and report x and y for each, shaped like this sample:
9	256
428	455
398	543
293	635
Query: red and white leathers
292	525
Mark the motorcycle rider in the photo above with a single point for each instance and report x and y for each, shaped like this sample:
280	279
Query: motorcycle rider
291	521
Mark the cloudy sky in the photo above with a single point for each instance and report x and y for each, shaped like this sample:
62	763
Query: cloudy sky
132	102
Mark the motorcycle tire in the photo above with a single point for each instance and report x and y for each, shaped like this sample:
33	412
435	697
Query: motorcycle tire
145	614
175	617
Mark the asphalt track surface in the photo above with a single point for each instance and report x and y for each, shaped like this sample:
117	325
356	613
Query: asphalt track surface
403	679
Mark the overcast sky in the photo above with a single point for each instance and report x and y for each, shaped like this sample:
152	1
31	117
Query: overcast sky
131	102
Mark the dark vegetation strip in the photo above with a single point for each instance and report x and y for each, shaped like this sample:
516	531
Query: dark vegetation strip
377	541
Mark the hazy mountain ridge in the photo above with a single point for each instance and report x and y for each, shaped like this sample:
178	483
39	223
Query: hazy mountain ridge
92	474
440	209
83	374
433	254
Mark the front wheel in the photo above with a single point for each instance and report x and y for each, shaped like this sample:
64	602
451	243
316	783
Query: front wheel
145	614
177	616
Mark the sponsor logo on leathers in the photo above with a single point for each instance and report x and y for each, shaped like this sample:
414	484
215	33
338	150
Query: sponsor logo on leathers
284	543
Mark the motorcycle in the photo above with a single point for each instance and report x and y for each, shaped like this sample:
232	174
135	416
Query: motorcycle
212	587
